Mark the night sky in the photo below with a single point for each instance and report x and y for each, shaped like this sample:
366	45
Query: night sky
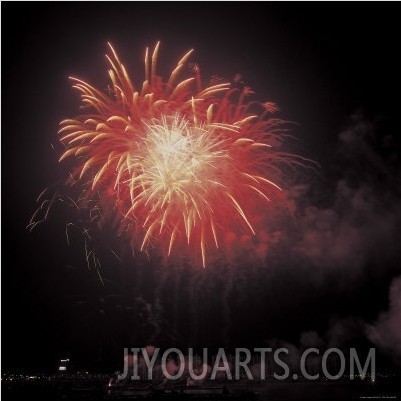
330	274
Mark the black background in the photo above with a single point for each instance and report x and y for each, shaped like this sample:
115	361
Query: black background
321	62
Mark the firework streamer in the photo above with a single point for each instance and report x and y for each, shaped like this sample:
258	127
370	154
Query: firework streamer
193	298
226	312
176	304
172	165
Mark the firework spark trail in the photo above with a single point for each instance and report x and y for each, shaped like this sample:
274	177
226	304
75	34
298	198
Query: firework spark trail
171	162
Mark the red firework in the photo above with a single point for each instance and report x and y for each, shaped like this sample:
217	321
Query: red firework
173	164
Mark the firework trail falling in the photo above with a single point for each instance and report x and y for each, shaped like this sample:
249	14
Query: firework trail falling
173	164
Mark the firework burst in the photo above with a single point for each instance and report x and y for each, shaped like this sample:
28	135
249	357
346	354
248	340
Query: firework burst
175	165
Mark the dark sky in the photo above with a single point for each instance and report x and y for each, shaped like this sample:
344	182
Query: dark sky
332	68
